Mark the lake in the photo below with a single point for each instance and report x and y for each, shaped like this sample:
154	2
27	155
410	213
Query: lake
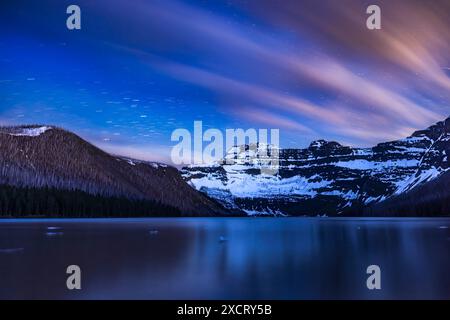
225	258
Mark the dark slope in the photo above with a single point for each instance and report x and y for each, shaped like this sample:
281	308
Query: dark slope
428	199
49	157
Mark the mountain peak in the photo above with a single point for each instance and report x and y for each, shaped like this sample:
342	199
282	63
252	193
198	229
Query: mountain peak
324	144
436	130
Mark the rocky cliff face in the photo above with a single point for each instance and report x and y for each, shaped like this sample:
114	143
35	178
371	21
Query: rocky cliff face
327	177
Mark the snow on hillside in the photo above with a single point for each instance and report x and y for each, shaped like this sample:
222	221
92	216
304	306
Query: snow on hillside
251	186
361	164
30	132
416	179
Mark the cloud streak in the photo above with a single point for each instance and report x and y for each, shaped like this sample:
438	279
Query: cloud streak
306	67
358	99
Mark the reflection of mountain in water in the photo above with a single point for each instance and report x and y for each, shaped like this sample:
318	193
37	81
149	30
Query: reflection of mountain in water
294	258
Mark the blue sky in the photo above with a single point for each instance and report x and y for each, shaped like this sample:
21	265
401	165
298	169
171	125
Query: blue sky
138	70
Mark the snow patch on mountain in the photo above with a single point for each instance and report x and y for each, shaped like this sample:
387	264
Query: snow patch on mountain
267	212
371	165
31	132
251	186
420	177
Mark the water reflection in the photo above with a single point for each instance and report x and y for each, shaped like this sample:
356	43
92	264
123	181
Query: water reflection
235	258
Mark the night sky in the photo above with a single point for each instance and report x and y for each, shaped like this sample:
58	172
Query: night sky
137	70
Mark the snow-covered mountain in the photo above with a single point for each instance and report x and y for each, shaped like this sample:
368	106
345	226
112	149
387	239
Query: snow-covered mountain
327	177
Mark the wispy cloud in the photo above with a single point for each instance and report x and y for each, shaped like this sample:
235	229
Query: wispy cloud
307	67
273	120
364	105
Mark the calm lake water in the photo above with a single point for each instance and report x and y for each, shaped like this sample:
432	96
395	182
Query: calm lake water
229	258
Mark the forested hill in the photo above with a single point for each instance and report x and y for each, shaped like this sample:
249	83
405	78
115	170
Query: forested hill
54	171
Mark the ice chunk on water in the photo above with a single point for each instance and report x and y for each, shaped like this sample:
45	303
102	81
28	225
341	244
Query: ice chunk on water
11	250
54	234
53	228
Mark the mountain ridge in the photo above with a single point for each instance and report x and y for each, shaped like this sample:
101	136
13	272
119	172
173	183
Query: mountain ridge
328	178
34	156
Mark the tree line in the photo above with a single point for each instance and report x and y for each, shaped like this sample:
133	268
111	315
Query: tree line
52	202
